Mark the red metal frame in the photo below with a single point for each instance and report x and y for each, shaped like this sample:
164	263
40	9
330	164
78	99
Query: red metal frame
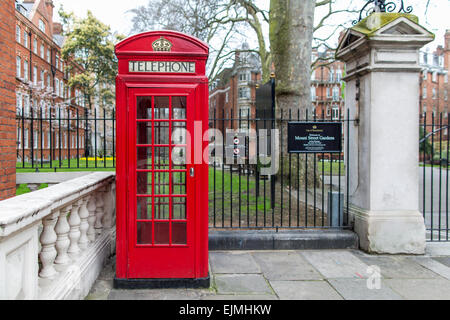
170	260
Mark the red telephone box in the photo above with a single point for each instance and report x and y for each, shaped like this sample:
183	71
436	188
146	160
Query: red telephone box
162	175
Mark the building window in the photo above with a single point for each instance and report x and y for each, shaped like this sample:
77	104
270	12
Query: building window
313	75
445	95
18	33
26	138
19	103
244	93
42	51
424	92
244	76
313	94
335	113
226	97
35	75
19	67
26	104
446	78
425	74
35	46
57	86
42	26
48	139
424	108
42	78
35	140
48	81
25	39
336	93
434	79
48	56
328	92
434	94
331	75
61	89
57	62
339	75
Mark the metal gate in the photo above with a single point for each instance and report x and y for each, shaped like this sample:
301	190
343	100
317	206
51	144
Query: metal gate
434	175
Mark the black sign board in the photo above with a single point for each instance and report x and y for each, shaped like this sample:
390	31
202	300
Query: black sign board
314	137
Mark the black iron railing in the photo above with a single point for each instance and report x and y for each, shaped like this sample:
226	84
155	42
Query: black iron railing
62	140
434	157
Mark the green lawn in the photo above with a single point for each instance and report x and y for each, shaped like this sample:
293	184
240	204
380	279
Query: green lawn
24	189
65	166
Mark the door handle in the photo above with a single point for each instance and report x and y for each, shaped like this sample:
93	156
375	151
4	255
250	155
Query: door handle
192	172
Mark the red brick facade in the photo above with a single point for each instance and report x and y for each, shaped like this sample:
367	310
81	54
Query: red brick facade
7	101
42	88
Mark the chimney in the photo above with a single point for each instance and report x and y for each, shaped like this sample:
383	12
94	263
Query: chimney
57	28
49	6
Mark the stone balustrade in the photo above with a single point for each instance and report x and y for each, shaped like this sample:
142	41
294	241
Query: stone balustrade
54	241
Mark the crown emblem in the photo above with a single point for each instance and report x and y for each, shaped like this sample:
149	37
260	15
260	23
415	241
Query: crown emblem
162	44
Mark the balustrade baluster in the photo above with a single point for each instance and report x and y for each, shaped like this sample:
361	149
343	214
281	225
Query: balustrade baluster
84	225
91	219
99	211
48	241
62	231
74	234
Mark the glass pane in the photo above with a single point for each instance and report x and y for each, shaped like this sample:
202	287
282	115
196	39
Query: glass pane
161	183
162	232
161	158
179	235
162	133
179	158
179	108
179	208
144	232
144	158
162	107
161	208
179	132
144	133
144	183
144	208
179	183
144	108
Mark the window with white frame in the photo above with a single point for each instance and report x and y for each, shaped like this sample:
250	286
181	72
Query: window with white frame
244	76
57	86
61	89
41	25
339	75
57	62
328	90
19	103
331	75
48	81
35	140
244	93
336	93
434	93
434	79
424	107
48	56
19	67
48	139
18	34
35	45
445	94
424	92
26	104
43	78
26	139
446	78
335	113
313	94
35	75
25	39
19	138
226	97
25	70
42	51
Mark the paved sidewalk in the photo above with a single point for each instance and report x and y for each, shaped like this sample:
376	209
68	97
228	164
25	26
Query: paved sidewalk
298	275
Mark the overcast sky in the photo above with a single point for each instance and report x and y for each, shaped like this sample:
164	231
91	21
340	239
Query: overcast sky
114	13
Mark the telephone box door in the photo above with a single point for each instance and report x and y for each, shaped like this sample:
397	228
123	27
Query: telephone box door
161	188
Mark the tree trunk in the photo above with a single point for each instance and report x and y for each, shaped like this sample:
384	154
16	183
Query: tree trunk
291	33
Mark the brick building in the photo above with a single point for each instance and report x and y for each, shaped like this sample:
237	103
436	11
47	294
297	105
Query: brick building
41	88
233	94
434	85
326	87
7	102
